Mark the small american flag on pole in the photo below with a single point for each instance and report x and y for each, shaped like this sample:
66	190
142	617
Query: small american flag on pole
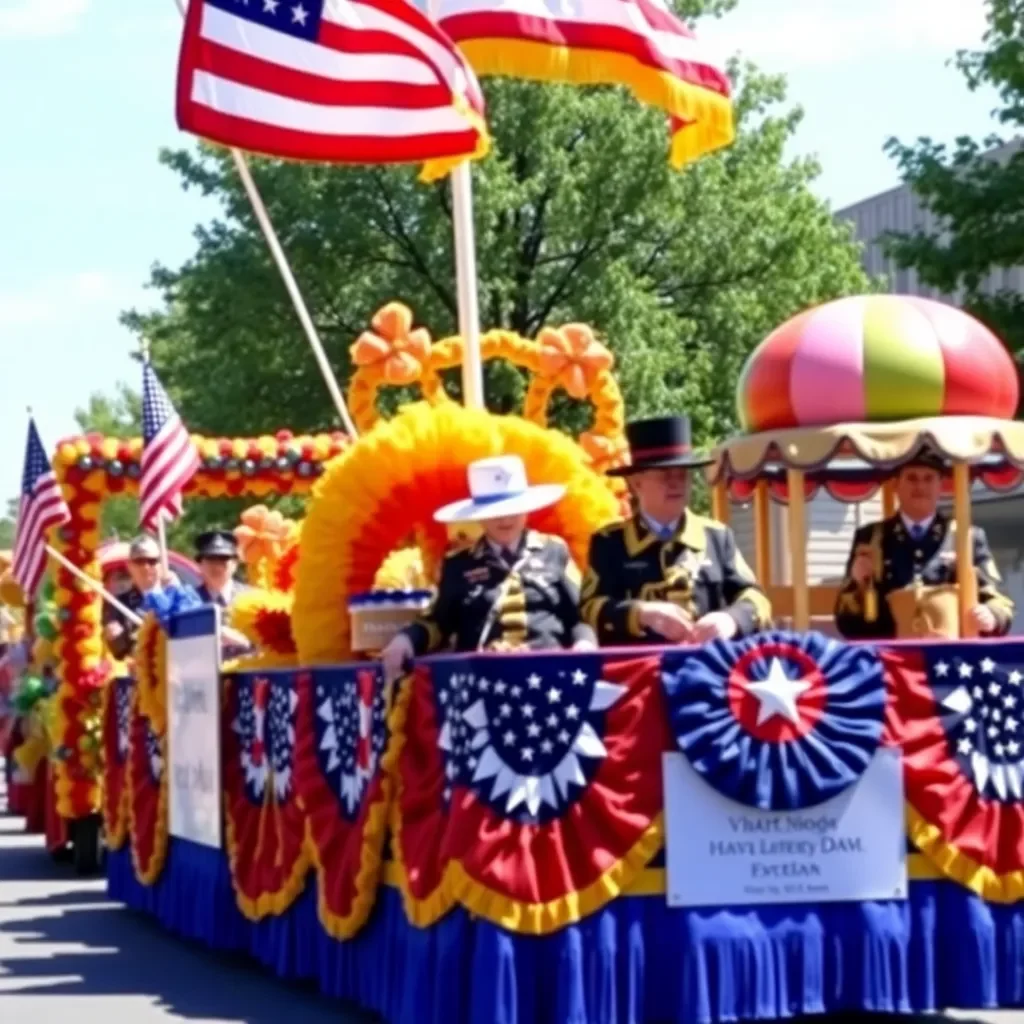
41	508
169	458
339	81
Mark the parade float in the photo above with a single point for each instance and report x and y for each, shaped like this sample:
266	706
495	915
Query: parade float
411	859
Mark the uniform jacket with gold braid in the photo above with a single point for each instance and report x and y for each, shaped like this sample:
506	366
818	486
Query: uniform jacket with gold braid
899	561
700	569
536	605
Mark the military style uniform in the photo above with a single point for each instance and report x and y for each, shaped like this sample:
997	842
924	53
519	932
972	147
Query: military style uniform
700	569
483	602
900	561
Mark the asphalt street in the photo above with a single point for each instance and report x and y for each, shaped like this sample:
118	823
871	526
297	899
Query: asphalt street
70	956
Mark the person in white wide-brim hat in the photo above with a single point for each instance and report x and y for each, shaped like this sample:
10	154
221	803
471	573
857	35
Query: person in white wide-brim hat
511	589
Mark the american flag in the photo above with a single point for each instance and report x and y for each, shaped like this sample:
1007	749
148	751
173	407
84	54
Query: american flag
638	44
340	81
41	508
169	458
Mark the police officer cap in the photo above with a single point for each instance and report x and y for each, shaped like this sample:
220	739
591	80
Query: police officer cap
928	458
216	544
144	549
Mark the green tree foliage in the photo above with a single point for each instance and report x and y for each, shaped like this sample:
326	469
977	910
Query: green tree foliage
7	525
578	218
978	200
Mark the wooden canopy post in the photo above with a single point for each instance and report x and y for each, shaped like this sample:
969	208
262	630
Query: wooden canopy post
966	577
797	530
720	500
888	499
762	534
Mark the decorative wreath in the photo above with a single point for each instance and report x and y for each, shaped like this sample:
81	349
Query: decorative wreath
570	357
388	486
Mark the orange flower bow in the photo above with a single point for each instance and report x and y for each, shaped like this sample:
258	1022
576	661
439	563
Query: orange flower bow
401	353
603	451
262	535
573	356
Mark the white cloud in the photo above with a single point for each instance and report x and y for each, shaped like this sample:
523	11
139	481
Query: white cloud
60	299
37	19
827	32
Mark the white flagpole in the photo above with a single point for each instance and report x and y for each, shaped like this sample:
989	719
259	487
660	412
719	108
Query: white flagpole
465	273
94	584
291	286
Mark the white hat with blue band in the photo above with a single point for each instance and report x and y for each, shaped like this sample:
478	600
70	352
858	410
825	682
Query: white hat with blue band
497	488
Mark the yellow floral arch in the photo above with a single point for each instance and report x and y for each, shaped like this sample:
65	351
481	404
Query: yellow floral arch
387	486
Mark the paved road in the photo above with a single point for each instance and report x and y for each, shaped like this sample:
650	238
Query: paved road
69	956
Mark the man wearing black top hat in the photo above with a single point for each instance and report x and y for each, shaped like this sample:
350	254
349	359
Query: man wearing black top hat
668	575
914	548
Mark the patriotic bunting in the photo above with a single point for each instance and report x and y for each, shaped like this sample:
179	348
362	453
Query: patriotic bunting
118	698
146	778
264	822
543	776
957	711
778	721
345	787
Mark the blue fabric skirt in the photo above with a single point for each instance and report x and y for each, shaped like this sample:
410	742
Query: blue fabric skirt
635	961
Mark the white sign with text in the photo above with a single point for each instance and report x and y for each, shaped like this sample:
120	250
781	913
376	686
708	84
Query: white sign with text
721	853
193	726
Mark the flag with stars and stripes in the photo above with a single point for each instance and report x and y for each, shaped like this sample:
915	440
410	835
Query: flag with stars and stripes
337	81
40	509
525	780
957	711
264	823
341	779
778	721
169	456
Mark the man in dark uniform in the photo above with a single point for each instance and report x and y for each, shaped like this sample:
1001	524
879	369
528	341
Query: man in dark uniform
217	557
512	589
668	575
144	571
914	548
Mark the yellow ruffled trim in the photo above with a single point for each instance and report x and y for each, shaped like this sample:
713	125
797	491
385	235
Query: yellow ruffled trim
151	673
954	864
434	170
115	832
709	115
160	828
264	661
267	904
421	911
344	926
545	918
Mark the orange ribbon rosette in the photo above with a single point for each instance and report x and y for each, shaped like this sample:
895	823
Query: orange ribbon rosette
401	353
573	358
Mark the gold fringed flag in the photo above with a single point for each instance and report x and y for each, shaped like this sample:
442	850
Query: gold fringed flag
638	44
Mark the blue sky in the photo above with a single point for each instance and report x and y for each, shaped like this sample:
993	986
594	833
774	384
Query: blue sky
86	100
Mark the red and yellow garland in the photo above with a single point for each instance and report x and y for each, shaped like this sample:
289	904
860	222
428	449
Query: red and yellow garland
92	469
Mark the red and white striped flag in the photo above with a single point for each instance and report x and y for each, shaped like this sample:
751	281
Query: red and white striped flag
639	44
169	458
338	81
41	508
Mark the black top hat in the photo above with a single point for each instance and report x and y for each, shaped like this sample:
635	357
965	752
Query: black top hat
659	443
216	544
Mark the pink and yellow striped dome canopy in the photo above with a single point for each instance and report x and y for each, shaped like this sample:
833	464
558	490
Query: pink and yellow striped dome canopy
876	358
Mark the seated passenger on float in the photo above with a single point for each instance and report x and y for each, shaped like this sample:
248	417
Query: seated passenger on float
668	575
901	576
217	558
143	577
512	589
